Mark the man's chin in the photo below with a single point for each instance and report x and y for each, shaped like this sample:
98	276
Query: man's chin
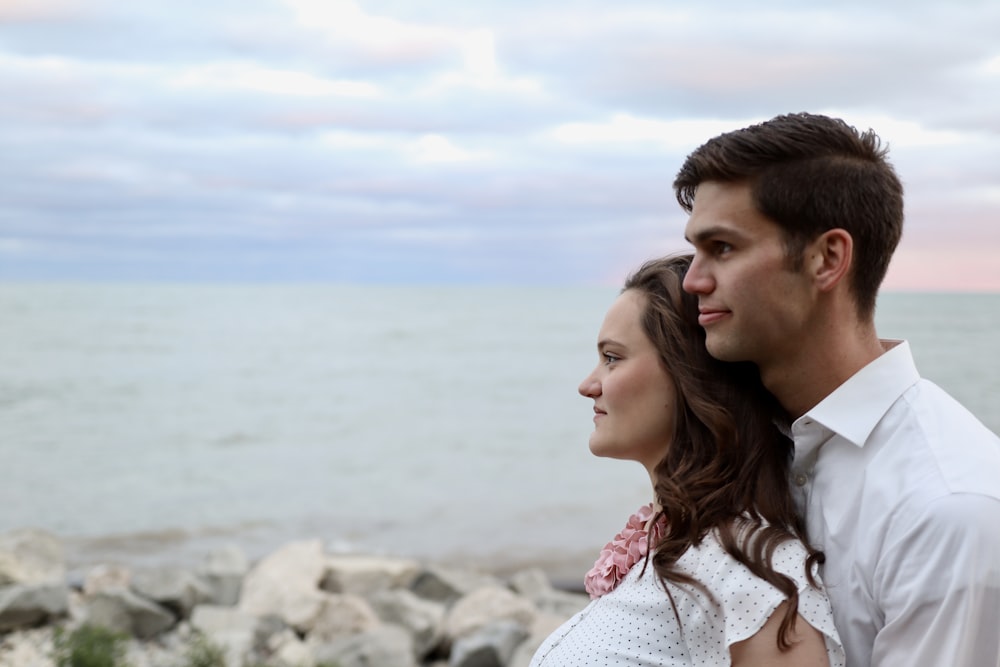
718	348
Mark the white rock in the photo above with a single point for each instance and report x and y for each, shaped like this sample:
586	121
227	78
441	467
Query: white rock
341	615
367	574
107	577
286	584
485	606
31	556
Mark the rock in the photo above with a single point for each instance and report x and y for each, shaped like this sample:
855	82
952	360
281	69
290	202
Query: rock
543	626
107	577
234	631
342	615
223	571
286	584
384	646
486	606
124	611
27	605
444	585
365	575
30	648
31	556
176	589
287	650
422	618
490	646
534	585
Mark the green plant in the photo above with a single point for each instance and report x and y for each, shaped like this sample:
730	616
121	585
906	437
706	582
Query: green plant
201	652
89	646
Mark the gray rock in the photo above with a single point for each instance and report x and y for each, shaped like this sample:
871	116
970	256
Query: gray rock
26	605
31	556
223	571
544	625
124	611
176	589
487	606
534	585
447	585
422	618
490	646
385	646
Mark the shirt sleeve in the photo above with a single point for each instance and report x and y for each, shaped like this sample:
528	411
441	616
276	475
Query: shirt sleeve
744	602
938	587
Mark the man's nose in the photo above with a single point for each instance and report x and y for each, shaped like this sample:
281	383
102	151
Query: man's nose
696	279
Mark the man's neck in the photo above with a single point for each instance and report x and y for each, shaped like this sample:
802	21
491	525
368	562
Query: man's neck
801	381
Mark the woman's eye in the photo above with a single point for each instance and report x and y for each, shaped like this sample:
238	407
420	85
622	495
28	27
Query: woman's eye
610	358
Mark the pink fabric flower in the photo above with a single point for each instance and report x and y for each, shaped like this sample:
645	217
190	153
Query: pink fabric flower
619	555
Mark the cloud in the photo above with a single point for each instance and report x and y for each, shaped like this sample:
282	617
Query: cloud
277	138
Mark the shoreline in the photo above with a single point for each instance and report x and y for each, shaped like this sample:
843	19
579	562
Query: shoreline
299	604
176	548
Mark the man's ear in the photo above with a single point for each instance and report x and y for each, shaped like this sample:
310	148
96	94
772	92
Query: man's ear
831	255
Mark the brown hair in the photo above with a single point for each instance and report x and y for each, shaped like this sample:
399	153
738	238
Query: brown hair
727	465
810	173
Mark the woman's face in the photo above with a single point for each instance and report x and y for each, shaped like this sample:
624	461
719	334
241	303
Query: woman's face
634	397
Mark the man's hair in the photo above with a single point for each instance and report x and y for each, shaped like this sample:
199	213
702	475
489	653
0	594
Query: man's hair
726	466
810	173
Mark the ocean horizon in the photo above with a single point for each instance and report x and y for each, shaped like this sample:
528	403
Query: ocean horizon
152	422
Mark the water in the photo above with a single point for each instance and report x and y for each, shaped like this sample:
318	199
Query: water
151	423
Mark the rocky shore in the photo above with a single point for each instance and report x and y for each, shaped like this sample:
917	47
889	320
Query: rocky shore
299	606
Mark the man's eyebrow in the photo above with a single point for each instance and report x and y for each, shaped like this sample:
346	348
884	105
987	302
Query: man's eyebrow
716	230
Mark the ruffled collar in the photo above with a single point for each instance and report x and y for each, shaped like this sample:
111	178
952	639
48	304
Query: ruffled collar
619	555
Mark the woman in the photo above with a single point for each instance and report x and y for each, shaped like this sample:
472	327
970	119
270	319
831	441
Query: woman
715	570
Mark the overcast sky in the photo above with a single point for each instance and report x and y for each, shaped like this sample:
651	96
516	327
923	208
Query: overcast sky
460	141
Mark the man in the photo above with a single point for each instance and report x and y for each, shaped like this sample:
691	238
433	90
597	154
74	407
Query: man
793	223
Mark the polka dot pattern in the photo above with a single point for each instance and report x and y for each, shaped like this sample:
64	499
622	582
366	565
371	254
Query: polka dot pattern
635	625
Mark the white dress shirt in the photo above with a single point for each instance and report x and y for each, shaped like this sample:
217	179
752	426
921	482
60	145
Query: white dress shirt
900	486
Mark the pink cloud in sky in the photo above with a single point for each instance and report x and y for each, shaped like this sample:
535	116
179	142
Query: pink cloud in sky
943	269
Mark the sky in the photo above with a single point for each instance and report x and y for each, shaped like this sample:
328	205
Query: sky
460	141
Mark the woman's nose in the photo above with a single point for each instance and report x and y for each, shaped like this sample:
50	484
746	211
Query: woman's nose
590	387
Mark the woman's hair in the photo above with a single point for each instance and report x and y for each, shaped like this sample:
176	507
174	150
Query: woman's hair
727	465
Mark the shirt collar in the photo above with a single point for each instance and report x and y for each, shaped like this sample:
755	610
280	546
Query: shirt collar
856	407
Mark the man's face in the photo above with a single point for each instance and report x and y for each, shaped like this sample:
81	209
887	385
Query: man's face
752	306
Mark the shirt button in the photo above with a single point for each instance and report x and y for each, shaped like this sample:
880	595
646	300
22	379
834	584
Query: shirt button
801	479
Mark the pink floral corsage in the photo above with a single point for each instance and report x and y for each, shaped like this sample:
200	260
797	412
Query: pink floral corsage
619	555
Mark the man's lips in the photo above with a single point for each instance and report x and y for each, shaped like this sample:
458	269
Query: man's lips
708	316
